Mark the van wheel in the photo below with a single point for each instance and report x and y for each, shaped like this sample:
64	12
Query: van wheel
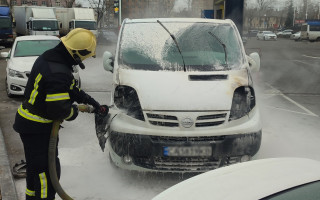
318	39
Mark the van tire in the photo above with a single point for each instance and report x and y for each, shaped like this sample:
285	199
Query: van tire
318	39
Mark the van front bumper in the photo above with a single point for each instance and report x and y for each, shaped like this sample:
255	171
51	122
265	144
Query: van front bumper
148	153
139	145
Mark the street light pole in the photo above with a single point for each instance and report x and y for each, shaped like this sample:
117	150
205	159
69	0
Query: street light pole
120	12
294	16
307	10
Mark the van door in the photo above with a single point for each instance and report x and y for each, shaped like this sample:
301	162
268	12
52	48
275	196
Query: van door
314	32
304	32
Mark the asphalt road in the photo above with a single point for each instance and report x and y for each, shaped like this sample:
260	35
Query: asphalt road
290	69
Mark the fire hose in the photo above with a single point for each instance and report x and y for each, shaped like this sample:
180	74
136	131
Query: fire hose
52	153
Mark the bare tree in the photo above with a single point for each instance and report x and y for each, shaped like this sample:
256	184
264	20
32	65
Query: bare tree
69	3
78	5
263	6
249	15
99	7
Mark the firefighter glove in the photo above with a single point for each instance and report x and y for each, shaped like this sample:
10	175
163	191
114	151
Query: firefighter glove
103	110
89	100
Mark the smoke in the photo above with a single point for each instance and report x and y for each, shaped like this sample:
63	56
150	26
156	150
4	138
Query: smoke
180	5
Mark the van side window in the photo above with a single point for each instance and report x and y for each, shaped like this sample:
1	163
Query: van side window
315	28
304	27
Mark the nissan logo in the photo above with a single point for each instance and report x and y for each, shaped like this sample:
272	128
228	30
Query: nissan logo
187	122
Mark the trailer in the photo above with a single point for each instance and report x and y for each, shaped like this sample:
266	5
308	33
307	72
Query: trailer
71	18
36	20
6	34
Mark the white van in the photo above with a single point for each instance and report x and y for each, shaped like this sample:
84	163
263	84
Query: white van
183	98
310	31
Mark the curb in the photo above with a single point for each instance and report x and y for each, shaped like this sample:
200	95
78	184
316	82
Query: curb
7	186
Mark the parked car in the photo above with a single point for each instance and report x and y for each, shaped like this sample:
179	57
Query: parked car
267	179
252	33
285	33
25	50
296	36
182	97
266	35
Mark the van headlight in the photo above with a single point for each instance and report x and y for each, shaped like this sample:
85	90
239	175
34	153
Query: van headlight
14	73
126	98
242	103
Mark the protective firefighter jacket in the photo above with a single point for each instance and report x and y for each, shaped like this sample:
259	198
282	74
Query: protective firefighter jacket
50	92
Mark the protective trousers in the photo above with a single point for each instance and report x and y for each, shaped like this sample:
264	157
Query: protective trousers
38	180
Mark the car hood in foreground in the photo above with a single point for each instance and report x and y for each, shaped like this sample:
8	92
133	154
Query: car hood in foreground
22	64
250	180
192	91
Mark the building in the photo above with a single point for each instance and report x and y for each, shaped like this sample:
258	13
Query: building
49	3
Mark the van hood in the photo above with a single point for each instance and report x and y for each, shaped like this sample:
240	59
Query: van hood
184	91
22	64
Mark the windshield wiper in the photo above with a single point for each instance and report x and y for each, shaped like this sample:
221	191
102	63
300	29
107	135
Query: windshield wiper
175	41
223	45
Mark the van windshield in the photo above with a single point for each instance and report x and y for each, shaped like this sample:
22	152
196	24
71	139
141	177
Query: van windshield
5	23
45	25
148	46
89	25
314	28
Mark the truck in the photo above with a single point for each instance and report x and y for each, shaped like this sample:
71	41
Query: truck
310	30
6	34
36	20
71	18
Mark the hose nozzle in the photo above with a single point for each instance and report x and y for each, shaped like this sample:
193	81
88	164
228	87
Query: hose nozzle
86	108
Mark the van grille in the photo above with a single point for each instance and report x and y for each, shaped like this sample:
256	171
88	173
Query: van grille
186	164
215	119
185	139
211	120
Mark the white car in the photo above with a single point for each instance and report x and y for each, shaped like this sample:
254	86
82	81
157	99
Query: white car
25	50
296	36
183	98
285	33
266	35
267	179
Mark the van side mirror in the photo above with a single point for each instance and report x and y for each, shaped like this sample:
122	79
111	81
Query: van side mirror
254	61
60	25
108	61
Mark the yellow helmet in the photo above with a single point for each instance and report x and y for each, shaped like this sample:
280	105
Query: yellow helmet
80	43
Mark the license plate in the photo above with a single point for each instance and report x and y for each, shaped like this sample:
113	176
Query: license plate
190	151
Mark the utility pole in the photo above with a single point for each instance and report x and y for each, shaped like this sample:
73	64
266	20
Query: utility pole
120	13
306	9
294	16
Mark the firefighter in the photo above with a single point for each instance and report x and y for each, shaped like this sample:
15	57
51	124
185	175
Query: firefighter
49	95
